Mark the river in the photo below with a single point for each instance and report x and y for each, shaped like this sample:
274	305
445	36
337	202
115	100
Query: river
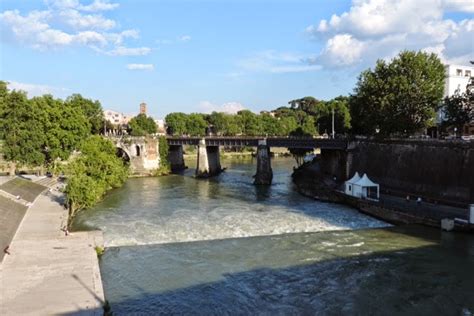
222	246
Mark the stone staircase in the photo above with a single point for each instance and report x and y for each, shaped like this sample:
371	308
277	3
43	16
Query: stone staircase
47	181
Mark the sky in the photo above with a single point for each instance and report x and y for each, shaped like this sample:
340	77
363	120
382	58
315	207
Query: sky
227	55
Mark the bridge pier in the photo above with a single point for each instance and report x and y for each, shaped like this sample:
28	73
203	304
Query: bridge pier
176	158
264	173
208	160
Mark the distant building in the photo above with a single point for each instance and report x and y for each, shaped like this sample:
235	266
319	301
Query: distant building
457	78
143	108
116	118
456	81
160	126
271	113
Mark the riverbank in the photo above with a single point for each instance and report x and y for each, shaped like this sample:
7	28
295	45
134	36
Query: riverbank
310	181
46	272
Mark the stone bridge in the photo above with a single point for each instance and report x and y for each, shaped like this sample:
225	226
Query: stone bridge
333	151
141	153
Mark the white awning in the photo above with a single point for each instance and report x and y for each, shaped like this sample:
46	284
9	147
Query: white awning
354	179
365	182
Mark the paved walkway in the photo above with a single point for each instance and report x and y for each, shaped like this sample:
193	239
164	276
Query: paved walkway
48	273
423	209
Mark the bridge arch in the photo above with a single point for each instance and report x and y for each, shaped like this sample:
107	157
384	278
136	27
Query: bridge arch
123	153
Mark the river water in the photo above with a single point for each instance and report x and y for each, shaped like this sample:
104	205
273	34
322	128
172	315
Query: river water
222	246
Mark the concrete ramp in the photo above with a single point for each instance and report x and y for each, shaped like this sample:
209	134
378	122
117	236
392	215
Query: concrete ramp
11	214
26	189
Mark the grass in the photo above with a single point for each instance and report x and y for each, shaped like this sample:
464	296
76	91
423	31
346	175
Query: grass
100	251
26	189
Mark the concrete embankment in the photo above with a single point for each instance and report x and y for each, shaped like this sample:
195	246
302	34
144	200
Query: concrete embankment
311	181
48	273
439	170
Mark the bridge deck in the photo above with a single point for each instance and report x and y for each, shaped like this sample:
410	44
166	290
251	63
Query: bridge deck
287	142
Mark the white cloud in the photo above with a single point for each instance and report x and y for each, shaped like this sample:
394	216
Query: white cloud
62	4
119	38
184	38
34	90
99	5
91	38
95	6
229	107
63	24
148	67
276	62
373	29
459	5
78	20
129	51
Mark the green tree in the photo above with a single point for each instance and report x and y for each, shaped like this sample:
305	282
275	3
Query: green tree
232	126
459	109
308	126
288	124
399	97
219	122
95	171
196	124
40	130
342	116
309	105
299	153
64	126
3	100
176	123
142	125
249	123
270	125
22	129
91	109
163	150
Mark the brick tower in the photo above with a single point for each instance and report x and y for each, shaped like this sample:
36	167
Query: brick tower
143	108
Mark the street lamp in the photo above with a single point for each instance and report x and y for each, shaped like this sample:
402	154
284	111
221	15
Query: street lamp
333	132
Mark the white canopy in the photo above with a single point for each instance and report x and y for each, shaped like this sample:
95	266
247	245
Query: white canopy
362	188
349	183
354	179
365	182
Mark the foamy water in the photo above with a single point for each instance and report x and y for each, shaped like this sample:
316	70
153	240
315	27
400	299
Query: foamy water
301	263
181	208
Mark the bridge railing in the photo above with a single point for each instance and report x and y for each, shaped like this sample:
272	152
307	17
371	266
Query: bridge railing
252	141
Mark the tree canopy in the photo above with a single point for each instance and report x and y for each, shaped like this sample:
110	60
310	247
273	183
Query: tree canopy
176	123
91	109
459	108
91	174
40	130
299	153
196	124
142	125
398	97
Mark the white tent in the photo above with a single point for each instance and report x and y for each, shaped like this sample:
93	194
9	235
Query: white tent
349	183
364	187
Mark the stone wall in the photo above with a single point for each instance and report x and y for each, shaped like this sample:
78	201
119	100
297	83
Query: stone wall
436	169
142	152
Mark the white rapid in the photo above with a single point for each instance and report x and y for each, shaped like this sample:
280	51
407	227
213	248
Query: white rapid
181	208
